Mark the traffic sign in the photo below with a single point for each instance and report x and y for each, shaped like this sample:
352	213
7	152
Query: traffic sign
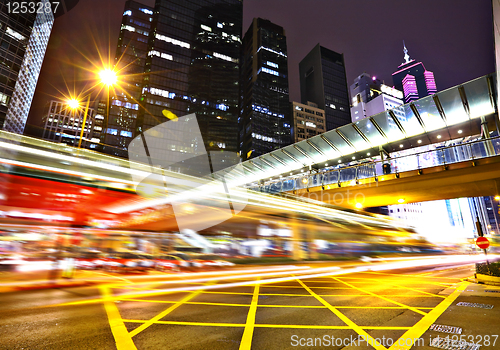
482	242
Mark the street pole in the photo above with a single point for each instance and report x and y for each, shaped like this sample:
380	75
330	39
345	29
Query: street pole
84	121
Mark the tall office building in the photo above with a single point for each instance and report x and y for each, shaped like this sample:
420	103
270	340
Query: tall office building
64	124
264	123
323	81
413	79
308	121
191	66
131	53
23	42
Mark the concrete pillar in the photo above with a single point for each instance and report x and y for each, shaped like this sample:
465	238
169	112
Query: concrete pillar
297	252
311	236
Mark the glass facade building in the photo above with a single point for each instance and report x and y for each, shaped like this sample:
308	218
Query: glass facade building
323	81
23	42
265	123
131	54
192	67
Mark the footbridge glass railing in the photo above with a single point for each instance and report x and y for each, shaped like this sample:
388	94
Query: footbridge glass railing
440	156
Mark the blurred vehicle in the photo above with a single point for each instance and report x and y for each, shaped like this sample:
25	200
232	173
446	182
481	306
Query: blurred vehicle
172	262
274	251
147	260
9	262
90	259
125	262
209	260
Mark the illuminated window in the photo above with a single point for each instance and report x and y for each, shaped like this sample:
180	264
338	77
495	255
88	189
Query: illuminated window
207	28
270	71
146	11
14	34
224	57
173	41
127	27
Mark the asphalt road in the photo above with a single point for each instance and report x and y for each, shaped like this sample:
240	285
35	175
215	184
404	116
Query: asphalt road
322	307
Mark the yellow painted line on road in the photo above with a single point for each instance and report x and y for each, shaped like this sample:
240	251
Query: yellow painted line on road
345	319
122	337
365	279
300	287
384	298
417	290
246	339
395	274
186	302
300	326
191	323
379	307
290	326
417	330
164	313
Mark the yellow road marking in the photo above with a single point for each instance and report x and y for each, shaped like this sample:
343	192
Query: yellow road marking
246	339
297	326
346	320
300	287
322	327
364	279
164	313
186	302
418	329
386	299
417	290
123	339
395	274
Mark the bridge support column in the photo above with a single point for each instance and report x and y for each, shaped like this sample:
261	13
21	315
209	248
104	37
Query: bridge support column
311	235
297	251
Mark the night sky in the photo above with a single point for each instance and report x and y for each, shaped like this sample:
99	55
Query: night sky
453	38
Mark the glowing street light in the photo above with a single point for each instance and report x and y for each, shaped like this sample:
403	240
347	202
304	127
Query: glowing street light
73	103
108	77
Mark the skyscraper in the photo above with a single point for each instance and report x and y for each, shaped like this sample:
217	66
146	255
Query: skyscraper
23	42
264	123
413	79
192	67
131	53
323	81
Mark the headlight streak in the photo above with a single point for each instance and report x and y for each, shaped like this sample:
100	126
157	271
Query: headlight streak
311	273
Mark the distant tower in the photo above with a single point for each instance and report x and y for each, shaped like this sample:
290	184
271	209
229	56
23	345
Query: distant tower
413	79
323	81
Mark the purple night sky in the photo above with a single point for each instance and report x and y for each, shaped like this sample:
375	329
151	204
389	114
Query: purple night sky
453	38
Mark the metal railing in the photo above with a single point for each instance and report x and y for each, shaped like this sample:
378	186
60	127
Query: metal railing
442	156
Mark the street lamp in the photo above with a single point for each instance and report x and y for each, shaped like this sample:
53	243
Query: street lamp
109	78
